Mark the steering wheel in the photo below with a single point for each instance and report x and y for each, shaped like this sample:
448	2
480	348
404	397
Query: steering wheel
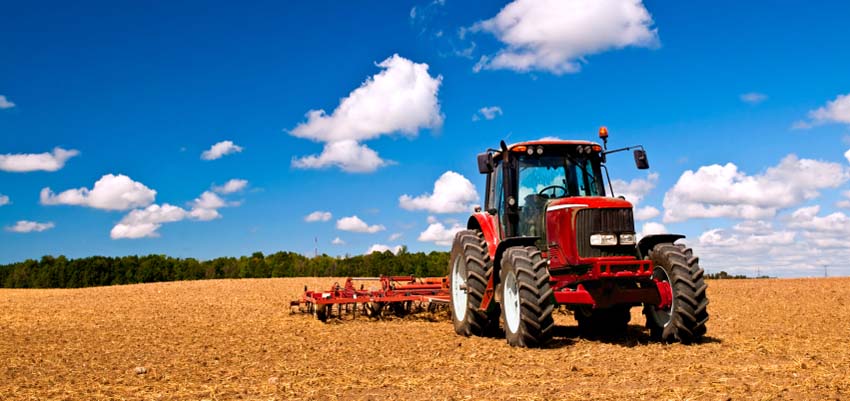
553	188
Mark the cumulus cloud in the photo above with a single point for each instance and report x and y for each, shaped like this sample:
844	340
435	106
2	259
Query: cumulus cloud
4	200
220	149
724	191
440	234
556	35
318	216
205	207
835	111
383	248
646	213
652	227
110	192
402	98
452	193
753	97
145	222
355	224
338	241
395	236
348	155
26	162
231	186
487	113
635	190
25	226
5	103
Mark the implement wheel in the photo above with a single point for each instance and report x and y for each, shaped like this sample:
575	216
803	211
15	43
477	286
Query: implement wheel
526	298
684	320
471	268
323	311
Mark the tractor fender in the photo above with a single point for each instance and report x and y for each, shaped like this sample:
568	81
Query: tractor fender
508	243
486	223
648	242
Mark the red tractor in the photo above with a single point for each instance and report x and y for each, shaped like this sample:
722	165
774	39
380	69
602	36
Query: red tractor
548	235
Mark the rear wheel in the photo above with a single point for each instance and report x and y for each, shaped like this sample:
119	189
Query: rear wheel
471	268
526	298
684	320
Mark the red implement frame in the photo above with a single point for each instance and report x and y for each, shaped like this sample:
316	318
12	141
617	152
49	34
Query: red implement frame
395	291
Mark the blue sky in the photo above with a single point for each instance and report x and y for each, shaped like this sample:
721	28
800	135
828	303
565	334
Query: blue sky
141	91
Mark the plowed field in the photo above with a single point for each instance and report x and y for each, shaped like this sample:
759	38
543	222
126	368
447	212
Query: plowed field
236	339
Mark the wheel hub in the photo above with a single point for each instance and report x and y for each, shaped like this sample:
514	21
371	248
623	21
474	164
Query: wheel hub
510	302
459	295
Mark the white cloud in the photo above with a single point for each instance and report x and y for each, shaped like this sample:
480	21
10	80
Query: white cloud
205	207
646	213
835	111
318	216
4	200
440	234
635	190
353	223
220	149
348	155
24	226
5	103
231	186
26	162
110	192
723	191
488	113
402	98
383	248
652	227
453	193
394	236
753	97
142	223
556	35
338	241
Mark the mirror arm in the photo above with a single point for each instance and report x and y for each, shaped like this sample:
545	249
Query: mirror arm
607	152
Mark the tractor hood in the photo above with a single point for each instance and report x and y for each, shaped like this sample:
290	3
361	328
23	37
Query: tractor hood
587	201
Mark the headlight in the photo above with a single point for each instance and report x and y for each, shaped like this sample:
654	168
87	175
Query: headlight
627	239
603	240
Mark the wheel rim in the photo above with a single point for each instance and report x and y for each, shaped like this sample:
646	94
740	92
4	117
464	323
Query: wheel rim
664	315
511	303
459	295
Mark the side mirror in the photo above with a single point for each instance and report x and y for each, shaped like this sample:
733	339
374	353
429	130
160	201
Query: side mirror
640	159
485	163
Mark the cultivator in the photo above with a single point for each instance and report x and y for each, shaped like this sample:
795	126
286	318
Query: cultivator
398	295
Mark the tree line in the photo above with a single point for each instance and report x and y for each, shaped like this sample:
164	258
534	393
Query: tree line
61	272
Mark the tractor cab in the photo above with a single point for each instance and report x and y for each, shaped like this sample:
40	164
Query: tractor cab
526	178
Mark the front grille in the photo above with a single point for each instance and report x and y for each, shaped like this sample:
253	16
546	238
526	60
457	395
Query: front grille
598	221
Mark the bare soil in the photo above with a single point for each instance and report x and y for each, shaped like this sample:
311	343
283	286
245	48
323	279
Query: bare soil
236	339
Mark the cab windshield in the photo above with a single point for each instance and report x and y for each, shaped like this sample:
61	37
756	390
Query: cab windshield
556	176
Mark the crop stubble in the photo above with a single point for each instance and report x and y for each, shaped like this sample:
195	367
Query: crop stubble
236	339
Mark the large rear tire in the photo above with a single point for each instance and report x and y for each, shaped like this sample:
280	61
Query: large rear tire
471	268
526	298
685	319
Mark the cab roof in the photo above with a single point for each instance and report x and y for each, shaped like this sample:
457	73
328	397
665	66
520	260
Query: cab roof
551	142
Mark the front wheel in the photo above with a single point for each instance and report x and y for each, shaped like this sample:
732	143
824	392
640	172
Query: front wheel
526	298
684	320
471	268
